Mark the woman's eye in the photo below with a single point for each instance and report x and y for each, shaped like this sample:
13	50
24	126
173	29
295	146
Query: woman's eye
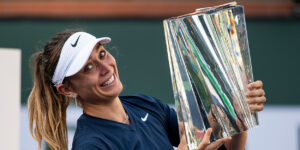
88	67
102	54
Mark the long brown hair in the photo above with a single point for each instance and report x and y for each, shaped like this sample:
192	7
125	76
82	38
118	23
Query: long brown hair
47	108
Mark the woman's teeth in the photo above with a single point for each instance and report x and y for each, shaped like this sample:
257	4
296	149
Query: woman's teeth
112	78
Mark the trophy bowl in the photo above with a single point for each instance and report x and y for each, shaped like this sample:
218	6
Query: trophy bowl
210	67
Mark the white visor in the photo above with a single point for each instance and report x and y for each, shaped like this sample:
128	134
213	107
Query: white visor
74	54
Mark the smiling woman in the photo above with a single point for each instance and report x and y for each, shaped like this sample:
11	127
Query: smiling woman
75	65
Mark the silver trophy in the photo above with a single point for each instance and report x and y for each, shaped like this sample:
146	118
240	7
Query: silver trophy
210	69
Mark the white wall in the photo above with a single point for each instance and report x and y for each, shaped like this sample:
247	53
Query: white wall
279	129
10	91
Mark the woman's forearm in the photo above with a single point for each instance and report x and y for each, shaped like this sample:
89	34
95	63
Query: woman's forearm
238	142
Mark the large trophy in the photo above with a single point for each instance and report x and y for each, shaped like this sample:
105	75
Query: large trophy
210	69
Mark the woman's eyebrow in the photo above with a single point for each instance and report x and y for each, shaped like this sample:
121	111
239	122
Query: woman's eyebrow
98	46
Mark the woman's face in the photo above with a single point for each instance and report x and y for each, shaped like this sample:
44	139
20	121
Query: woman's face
98	81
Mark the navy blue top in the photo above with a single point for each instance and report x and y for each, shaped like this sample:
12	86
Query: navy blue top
153	126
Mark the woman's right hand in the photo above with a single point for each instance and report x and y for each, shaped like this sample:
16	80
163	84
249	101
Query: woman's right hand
205	144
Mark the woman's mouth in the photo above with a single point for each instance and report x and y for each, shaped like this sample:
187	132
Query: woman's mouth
109	81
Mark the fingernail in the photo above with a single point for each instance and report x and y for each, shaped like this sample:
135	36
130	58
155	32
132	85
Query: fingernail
209	129
249	86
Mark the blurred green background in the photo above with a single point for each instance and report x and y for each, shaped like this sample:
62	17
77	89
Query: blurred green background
139	48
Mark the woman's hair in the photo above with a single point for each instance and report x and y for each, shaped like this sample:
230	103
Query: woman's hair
47	108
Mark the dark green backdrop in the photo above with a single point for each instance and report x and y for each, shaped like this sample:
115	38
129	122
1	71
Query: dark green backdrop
139	48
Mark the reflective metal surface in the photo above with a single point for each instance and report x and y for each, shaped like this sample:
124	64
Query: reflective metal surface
210	68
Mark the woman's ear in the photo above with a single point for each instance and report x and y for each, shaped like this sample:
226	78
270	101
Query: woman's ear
66	90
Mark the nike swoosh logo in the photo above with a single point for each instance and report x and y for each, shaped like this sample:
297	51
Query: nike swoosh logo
74	45
145	118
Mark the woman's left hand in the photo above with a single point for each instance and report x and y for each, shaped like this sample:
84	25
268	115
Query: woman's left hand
256	96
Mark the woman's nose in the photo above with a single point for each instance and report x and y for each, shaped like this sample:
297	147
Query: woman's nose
104	68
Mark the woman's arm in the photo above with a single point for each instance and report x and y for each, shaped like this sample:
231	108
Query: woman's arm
238	142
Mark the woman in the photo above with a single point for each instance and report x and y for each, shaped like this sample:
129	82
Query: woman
75	65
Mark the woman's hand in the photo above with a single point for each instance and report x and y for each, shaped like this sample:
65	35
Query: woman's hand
256	96
205	144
